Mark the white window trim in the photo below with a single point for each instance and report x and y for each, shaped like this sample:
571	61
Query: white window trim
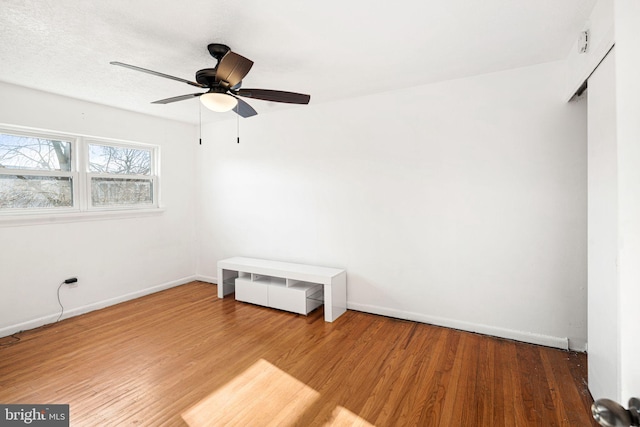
81	178
153	176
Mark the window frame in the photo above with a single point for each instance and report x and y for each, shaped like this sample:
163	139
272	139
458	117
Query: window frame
80	175
152	177
73	173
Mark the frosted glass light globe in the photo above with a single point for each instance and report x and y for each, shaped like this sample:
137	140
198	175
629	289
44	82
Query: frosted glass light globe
219	102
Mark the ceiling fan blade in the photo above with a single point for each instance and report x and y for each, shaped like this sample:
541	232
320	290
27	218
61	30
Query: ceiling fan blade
177	98
244	110
275	96
232	68
155	73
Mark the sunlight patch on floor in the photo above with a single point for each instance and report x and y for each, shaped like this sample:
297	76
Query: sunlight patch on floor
344	417
264	395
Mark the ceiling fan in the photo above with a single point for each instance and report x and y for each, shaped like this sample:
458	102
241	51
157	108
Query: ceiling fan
224	84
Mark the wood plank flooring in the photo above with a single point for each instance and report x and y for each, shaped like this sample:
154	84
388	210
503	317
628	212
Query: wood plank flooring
183	357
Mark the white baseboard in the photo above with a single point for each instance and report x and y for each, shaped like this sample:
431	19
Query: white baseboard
208	279
45	320
546	340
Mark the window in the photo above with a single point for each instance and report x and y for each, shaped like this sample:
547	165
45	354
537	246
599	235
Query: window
44	173
35	172
120	176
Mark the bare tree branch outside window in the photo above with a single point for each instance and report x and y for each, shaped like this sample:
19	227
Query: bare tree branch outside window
41	171
119	160
28	154
114	160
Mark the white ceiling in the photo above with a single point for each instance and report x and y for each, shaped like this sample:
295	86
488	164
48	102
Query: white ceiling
330	49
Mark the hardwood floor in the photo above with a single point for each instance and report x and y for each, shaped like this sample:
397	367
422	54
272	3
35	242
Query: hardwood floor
183	357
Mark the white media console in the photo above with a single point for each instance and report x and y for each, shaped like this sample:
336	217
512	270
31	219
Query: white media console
286	286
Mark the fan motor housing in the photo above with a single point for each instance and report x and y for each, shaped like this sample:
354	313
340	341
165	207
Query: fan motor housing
207	77
218	50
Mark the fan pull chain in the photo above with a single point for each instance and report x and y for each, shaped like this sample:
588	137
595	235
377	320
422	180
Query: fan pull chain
238	128
200	115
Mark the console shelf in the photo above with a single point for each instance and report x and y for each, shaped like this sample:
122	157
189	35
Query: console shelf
286	286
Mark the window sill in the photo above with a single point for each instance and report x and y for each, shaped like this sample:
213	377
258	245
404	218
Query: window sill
66	217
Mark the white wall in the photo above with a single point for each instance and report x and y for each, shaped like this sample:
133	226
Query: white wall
114	259
461	203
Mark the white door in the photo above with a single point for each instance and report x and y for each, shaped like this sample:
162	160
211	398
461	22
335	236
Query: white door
602	208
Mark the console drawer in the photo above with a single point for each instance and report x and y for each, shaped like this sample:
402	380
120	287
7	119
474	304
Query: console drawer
294	298
252	292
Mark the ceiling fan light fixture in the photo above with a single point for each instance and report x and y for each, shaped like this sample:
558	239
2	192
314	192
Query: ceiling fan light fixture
224	84
218	102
